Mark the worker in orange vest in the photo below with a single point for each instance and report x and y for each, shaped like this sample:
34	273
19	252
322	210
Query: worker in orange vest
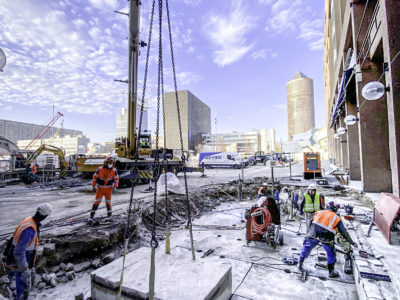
324	226
20	252
34	168
105	180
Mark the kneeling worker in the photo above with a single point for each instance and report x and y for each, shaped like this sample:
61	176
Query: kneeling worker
323	229
20	253
106	180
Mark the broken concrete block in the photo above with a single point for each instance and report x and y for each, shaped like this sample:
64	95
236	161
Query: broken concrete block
212	279
63	266
96	263
46	278
70	275
55	269
60	273
79	296
82	266
108	258
13	285
4	280
53	282
69	267
41	285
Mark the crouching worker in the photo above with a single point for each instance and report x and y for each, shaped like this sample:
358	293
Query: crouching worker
324	226
20	253
263	191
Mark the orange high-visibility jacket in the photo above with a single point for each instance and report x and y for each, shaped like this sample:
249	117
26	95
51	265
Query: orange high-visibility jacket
26	223
105	178
34	169
326	219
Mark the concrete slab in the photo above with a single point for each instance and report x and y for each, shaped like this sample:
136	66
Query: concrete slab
177	277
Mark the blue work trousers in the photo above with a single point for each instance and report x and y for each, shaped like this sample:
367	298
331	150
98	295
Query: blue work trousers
22	286
310	243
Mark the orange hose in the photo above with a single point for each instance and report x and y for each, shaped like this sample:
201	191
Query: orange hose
261	228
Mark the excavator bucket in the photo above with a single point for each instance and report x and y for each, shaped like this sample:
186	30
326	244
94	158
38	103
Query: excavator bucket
387	215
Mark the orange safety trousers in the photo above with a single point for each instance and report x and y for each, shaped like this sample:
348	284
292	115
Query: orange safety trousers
106	192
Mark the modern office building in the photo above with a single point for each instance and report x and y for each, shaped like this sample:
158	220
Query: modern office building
70	144
241	142
362	45
300	104
195	120
122	121
15	131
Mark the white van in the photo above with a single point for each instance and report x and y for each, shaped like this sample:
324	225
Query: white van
220	160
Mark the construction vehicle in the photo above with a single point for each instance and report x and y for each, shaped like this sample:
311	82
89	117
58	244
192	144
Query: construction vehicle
62	171
125	148
312	165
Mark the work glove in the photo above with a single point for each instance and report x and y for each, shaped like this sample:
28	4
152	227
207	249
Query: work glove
94	189
114	189
301	213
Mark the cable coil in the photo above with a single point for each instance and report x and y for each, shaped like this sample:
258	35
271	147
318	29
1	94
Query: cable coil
260	228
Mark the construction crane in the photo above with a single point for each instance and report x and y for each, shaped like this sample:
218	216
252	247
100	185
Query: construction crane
45	129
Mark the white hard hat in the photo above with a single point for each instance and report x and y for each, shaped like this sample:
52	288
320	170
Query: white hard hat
312	186
45	209
265	184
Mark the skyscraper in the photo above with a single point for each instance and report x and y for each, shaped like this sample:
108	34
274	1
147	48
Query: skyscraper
195	120
300	104
122	121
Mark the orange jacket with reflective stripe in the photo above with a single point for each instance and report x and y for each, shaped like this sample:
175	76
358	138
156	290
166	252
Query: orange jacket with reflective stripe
326	219
105	178
26	223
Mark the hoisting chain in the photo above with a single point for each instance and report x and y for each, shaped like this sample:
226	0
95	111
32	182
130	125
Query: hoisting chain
135	169
189	222
156	166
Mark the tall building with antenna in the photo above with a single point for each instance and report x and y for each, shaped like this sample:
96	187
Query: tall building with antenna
300	104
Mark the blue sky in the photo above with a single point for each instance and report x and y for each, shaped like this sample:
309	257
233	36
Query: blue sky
235	55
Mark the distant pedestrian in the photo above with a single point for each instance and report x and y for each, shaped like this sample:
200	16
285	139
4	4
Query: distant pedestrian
263	190
324	226
20	253
105	180
311	203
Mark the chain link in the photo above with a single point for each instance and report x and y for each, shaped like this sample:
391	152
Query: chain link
189	222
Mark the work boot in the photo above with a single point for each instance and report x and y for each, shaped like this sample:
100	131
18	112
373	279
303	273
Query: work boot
109	216
332	272
90	221
300	266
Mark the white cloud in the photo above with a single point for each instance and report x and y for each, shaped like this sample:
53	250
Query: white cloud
259	54
264	2
185	78
293	16
227	32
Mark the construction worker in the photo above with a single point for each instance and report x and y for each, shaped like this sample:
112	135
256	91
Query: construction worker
263	190
20	254
105	180
311	202
325	225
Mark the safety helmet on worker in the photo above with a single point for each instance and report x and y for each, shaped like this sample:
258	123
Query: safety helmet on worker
312	186
109	160
265	184
333	207
45	209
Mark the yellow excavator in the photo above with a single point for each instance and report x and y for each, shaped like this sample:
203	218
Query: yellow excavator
55	150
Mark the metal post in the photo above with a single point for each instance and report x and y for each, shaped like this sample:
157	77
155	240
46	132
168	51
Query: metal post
240	189
272	180
242	170
290	170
